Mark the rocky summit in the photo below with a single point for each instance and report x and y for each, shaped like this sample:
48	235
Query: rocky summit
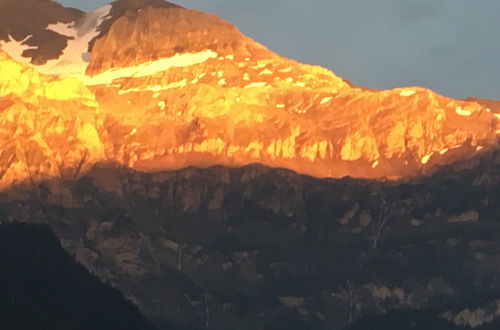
204	177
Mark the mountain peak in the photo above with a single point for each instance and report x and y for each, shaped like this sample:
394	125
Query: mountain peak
155	32
139	4
157	87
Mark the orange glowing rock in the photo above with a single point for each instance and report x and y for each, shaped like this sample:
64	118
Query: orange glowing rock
196	91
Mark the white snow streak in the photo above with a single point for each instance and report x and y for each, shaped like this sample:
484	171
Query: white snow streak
285	70
256	84
407	92
150	68
426	158
325	100
65	29
74	59
16	48
462	112
265	72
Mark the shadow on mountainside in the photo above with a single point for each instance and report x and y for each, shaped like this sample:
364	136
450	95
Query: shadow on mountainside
42	287
262	248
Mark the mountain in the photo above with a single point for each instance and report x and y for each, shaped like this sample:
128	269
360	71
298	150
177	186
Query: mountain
42	287
203	176
171	87
262	248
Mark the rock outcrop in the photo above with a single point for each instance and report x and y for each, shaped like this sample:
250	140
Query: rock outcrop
48	127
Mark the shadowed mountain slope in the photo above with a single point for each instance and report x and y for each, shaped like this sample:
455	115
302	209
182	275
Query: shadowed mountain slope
42	287
259	246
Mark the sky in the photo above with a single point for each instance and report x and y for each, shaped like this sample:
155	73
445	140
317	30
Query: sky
450	46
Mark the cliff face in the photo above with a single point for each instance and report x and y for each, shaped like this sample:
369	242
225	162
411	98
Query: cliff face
148	33
44	288
177	87
48	126
266	248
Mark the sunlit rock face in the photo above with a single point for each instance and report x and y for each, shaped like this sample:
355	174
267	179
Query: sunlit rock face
155	86
48	126
152	33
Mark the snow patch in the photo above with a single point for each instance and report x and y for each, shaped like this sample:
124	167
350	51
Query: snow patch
259	66
132	132
407	92
246	76
445	150
280	106
479	148
300	84
156	95
289	69
150	68
325	100
230	57
256	84
65	29
16	48
222	82
75	57
497	115
462	112
162	105
426	158
375	164
265	72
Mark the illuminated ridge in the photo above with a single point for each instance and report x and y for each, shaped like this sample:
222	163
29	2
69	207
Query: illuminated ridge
131	89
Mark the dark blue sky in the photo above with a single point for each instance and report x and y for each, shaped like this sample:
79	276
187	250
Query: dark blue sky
451	46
